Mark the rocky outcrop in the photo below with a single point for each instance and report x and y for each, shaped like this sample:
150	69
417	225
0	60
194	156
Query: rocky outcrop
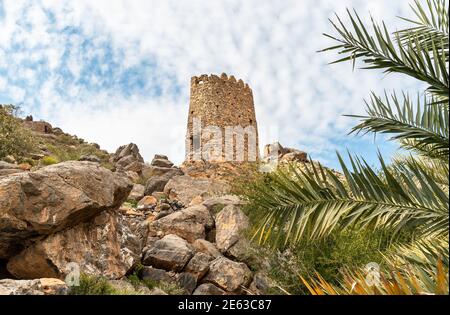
169	253
108	246
9	169
128	158
54	198
190	223
33	287
185	188
276	151
159	173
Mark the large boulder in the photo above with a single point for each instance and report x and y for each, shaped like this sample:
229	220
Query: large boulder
231	222
169	253
190	223
55	198
185	188
9	168
105	246
33	287
228	275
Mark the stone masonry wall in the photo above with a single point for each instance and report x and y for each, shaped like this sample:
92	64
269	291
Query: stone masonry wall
220	101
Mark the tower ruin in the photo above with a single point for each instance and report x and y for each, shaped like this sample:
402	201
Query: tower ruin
222	107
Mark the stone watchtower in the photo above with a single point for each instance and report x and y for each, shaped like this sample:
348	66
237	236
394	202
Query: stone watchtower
223	109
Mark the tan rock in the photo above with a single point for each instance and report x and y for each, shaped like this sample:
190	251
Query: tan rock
147	201
185	188
206	247
231	222
43	286
228	275
199	265
107	246
190	223
54	198
196	201
137	193
169	253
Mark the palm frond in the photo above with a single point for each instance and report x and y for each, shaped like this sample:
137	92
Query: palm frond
431	25
314	202
380	51
425	127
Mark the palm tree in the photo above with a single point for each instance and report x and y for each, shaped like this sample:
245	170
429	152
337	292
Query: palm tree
411	192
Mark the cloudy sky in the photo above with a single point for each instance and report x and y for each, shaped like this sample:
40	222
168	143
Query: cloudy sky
118	71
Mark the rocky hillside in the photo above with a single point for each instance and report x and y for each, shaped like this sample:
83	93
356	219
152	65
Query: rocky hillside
133	227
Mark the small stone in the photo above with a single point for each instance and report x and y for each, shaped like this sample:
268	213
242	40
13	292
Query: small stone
208	289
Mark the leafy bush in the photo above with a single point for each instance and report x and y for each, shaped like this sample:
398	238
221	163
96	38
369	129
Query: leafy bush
14	138
49	160
329	257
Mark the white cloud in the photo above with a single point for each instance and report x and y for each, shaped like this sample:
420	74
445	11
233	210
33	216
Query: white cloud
271	45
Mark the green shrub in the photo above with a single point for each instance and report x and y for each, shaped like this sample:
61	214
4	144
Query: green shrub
14	138
97	285
49	160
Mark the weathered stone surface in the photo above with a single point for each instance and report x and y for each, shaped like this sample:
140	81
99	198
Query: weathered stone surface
137	193
162	163
208	289
206	247
169	253
157	275
156	184
45	286
185	188
216	204
230	224
228	275
54	198
199	265
187	281
8	166
147	201
107	246
90	158
128	158
150	171
190	223
6	172
260	284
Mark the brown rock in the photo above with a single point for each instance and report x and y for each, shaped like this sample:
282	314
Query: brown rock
206	247
199	265
147	201
169	253
45	286
107	246
137	193
228	275
54	198
190	223
185	188
230	224
208	289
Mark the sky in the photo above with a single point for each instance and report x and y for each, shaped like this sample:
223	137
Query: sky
118	71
